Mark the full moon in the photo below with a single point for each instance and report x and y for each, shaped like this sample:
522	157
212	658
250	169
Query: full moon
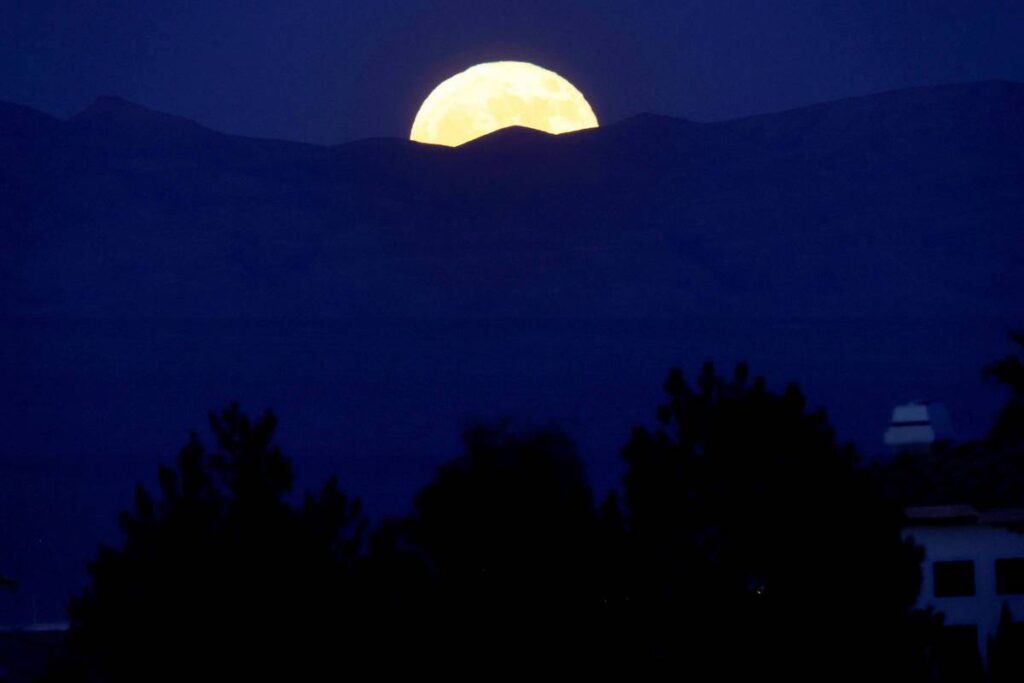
487	97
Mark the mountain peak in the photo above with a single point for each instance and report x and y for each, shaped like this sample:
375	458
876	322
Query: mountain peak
125	115
108	105
18	122
109	102
510	137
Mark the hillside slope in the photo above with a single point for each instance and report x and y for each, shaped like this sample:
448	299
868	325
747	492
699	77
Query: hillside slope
900	203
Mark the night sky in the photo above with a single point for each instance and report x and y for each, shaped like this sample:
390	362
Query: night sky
330	71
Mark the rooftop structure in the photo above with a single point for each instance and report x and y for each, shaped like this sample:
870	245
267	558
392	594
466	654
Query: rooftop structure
917	426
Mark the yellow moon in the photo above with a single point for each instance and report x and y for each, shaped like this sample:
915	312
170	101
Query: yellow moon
487	97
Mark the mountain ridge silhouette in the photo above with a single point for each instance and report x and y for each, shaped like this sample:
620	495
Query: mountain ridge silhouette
777	214
378	292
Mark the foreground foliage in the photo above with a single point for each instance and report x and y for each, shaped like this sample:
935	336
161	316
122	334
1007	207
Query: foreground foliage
219	575
747	542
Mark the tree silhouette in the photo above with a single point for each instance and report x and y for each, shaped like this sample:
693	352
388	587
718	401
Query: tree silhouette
220	576
746	541
1006	649
1008	429
507	532
753	532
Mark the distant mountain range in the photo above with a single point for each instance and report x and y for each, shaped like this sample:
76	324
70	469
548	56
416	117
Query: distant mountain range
378	294
904	203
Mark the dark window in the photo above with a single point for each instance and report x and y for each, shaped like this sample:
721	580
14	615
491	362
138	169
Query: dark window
953	579
1010	576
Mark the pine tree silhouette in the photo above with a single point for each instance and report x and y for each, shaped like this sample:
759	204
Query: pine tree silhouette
220	576
754	532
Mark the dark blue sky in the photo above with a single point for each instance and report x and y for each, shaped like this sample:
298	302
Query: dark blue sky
334	70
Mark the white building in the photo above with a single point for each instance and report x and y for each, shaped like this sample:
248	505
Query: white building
974	563
917	426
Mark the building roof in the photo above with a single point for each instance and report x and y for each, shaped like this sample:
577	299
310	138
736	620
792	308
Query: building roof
917	423
963	515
